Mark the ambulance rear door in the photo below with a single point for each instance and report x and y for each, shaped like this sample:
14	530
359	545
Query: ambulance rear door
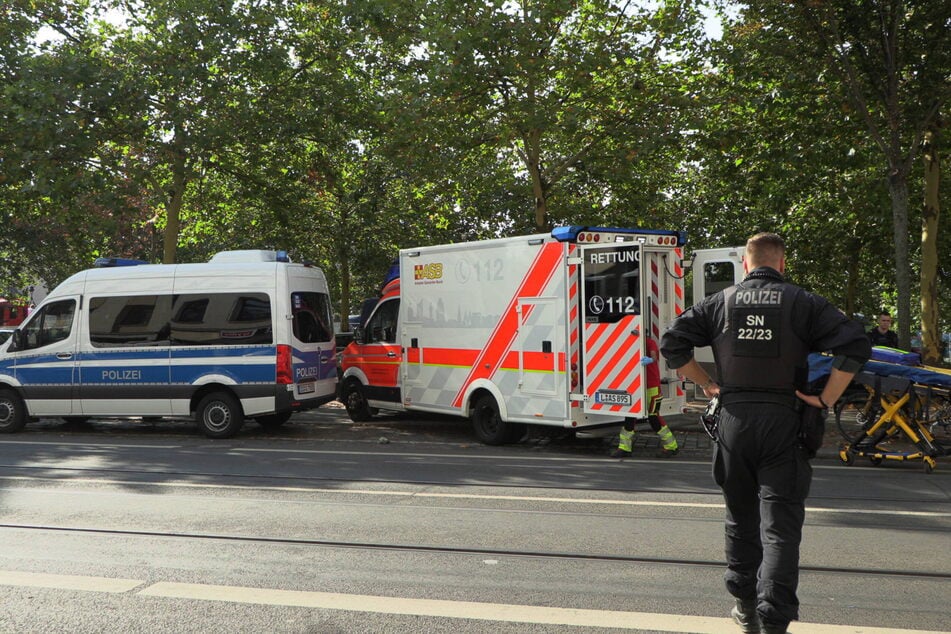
613	381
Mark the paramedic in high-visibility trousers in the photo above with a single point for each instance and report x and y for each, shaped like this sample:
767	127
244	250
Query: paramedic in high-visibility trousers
654	397
762	331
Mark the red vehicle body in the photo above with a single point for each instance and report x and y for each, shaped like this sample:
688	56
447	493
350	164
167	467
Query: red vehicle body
12	314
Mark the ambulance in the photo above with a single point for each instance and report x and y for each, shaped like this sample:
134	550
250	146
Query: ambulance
548	329
246	335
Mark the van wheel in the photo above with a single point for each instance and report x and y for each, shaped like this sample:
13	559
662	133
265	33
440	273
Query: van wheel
219	415
487	422
355	400
273	421
12	412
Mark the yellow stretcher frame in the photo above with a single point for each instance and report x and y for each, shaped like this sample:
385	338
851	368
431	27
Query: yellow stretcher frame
903	411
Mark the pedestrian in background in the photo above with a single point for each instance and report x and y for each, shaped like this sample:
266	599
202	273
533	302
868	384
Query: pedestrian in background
654	397
882	335
762	331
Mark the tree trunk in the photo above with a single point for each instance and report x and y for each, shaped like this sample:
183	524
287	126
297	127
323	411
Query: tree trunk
930	337
898	189
343	261
532	159
853	262
173	207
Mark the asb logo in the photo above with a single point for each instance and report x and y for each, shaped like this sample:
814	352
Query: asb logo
428	271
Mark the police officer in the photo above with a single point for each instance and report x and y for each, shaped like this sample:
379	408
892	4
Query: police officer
762	331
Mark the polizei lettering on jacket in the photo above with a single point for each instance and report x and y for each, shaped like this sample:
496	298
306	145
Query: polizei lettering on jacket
613	257
759	297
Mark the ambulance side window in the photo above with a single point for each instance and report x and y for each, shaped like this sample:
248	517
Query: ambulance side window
50	324
718	276
382	326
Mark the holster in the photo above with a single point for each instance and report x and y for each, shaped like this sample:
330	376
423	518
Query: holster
812	428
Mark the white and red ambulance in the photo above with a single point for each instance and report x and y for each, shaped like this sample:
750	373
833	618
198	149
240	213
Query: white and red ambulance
542	329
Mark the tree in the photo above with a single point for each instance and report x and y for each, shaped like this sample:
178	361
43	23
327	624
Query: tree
772	151
891	59
547	88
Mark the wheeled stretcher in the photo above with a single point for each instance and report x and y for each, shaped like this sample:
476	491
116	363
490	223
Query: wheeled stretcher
891	412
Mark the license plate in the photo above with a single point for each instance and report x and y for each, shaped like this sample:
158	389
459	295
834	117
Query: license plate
306	388
612	398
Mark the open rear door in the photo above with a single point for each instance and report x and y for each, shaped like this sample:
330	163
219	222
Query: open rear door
613	380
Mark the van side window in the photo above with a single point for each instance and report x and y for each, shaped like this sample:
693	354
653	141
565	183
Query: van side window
137	320
312	317
219	319
194	319
52	323
382	325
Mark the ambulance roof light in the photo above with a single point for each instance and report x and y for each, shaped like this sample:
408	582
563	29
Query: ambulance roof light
571	233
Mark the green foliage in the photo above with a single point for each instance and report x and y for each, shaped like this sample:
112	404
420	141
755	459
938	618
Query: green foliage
343	130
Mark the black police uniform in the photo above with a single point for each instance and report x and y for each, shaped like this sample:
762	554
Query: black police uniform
762	331
888	338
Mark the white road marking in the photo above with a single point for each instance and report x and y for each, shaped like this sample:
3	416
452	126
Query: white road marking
463	496
501	612
67	582
91	445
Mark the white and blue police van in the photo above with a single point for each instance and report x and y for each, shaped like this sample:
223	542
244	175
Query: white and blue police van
248	334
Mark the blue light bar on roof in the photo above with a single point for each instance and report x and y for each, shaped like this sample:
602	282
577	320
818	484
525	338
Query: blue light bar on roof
103	263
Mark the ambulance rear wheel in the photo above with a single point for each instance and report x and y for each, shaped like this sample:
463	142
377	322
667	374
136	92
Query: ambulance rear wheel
355	400
487	422
219	415
12	412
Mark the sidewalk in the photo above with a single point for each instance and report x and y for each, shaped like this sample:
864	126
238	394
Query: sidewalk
695	443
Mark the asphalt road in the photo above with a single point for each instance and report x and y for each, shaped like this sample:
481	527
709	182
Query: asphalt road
408	525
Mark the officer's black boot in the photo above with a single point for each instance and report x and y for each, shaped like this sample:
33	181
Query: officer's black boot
772	628
744	615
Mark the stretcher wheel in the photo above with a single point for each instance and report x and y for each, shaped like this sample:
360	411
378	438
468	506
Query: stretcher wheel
875	460
847	457
929	464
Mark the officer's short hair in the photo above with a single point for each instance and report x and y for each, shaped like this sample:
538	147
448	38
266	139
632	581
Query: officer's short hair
765	248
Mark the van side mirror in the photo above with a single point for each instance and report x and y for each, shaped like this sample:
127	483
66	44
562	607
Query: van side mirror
359	335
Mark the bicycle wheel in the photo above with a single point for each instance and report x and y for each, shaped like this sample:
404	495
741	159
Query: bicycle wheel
854	413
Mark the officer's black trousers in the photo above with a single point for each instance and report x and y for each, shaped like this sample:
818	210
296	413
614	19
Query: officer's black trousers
765	477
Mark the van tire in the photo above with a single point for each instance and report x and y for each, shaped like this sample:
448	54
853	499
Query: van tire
219	415
355	400
487	422
273	421
12	412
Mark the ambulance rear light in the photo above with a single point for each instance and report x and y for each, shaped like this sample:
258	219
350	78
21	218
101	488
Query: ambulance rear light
285	365
586	235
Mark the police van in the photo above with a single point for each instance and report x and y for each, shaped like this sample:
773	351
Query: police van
246	335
